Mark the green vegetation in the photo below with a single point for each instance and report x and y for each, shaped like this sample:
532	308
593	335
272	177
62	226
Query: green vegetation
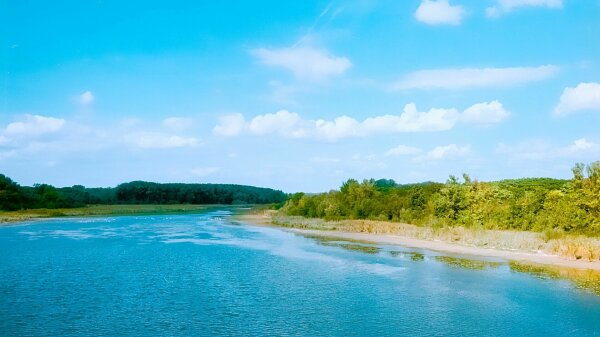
358	248
415	256
99	210
549	206
14	197
467	263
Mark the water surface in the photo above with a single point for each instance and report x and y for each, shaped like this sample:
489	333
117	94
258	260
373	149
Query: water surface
208	275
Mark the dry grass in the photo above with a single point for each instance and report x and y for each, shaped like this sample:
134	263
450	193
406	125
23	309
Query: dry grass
98	210
567	246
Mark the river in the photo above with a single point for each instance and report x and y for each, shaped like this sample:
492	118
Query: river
206	274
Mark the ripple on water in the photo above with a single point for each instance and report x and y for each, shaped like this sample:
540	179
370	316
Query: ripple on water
203	275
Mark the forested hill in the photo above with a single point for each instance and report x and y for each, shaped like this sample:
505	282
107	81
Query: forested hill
141	192
15	197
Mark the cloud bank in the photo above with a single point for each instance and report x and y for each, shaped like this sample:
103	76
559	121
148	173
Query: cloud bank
291	125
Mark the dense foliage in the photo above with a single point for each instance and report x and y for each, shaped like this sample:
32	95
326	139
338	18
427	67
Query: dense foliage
15	197
538	204
140	192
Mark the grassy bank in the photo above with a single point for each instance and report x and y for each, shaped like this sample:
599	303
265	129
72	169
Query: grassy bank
572	247
99	210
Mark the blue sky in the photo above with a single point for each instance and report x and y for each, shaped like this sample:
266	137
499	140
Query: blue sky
297	96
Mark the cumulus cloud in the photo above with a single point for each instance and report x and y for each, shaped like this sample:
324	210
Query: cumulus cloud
292	125
581	146
42	136
340	127
585	96
85	98
439	12
34	125
412	120
485	113
402	150
156	140
506	6
465	78
230	125
177	123
306	63
282	122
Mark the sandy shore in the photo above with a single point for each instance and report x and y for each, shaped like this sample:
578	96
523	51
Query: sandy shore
539	258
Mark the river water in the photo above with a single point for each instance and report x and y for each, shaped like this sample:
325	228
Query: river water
206	274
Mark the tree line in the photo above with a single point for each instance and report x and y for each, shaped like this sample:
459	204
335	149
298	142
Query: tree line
535	204
16	197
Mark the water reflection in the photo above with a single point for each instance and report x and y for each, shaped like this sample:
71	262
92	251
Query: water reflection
584	279
473	264
414	256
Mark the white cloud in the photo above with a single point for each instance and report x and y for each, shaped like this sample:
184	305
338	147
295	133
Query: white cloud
439	12
506	6
155	140
177	123
485	113
464	78
204	171
282	122
230	125
291	125
402	150
448	151
341	127
34	125
412	120
585	96
306	63
581	146
85	98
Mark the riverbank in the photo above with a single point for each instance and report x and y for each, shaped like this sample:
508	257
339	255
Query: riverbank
98	210
571	252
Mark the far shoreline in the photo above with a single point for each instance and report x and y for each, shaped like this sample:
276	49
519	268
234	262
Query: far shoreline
8	218
438	246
